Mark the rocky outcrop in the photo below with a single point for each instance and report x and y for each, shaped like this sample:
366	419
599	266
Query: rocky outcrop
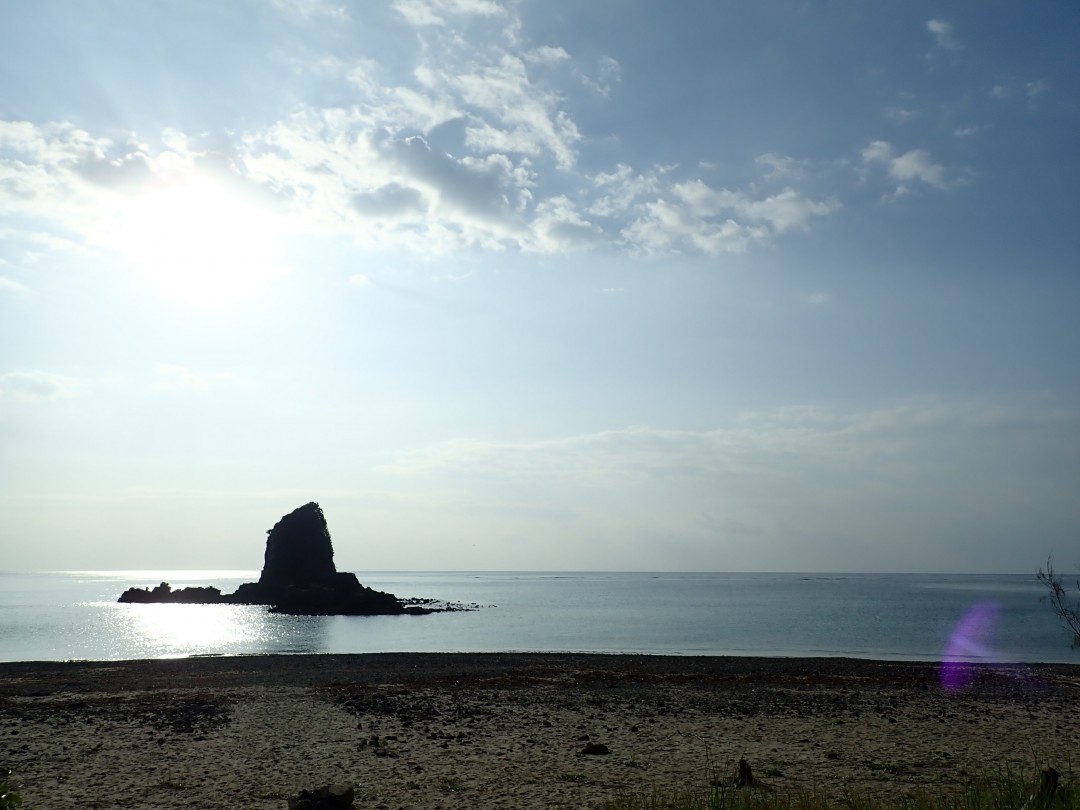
165	593
298	577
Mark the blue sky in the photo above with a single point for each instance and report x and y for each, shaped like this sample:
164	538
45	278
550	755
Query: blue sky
541	285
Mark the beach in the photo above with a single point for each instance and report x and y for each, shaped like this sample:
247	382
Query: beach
496	731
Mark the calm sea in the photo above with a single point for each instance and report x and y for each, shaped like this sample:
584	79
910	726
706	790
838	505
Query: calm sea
74	615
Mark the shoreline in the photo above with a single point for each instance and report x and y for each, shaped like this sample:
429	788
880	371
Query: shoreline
495	730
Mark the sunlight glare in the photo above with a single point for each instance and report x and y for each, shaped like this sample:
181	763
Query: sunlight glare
202	243
171	630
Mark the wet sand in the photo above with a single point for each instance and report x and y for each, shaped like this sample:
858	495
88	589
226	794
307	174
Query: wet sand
509	731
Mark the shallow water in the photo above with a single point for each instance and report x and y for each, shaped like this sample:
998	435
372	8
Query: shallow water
74	615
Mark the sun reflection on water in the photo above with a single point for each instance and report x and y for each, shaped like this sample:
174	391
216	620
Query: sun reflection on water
164	631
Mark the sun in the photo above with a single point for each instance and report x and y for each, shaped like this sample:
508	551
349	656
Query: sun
202	242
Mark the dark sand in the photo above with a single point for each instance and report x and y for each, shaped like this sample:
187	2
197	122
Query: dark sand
507	731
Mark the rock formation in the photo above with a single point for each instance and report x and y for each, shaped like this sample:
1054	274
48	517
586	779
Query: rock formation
298	577
165	593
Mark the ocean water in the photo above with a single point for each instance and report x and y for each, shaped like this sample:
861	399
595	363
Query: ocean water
73	615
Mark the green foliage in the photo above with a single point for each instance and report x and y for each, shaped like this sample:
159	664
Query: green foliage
9	797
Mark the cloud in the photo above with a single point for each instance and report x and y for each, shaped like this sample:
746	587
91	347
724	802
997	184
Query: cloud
720	220
920	439
359	280
172	377
34	386
1030	91
919	472
307	9
620	190
8	285
914	165
558	226
942	31
547	55
425	13
61	176
475	148
901	115
513	114
389	201
781	167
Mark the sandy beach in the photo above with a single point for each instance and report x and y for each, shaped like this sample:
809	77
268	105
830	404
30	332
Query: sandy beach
501	731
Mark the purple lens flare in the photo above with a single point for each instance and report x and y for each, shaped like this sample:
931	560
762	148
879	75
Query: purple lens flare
970	642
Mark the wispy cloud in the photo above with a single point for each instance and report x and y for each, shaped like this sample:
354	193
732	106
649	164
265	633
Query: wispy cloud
474	148
917	469
306	9
696	215
35	386
171	377
942	31
423	13
8	285
915	165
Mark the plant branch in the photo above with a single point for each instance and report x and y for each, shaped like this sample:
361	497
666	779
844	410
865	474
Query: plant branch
1059	600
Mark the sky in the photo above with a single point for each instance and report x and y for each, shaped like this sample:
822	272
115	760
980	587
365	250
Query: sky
540	284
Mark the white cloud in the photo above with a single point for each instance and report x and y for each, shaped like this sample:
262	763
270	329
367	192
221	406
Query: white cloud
781	167
916	164
35	386
622	188
355	170
931	438
1029	91
919	474
515	115
943	34
475	148
1035	89
172	377
424	13
391	201
720	220
901	114
8	285
547	55
306	9
666	226
359	280
559	226
610	70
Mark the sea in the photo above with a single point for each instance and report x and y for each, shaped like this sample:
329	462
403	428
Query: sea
74	615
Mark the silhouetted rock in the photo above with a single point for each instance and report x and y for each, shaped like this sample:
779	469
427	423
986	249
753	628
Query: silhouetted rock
298	551
298	577
165	593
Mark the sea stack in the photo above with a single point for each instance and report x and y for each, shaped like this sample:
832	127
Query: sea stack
298	576
298	550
